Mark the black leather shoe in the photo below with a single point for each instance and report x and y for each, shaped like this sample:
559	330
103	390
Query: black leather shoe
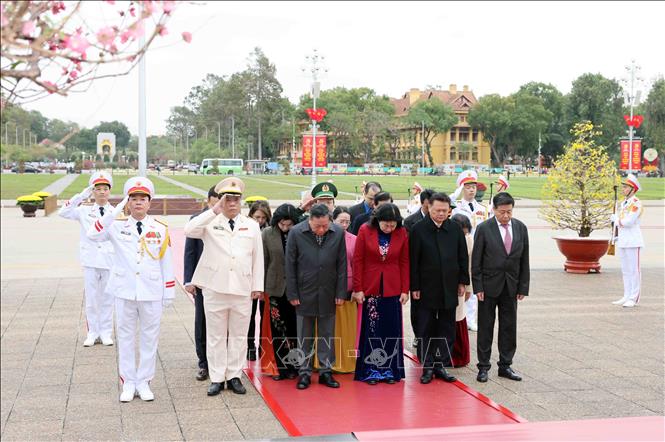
441	373
251	354
327	380
235	385
391	381
278	377
372	382
291	375
215	388
202	375
510	374
427	376
303	381
482	376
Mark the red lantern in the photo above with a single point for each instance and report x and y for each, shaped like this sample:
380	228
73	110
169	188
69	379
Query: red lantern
635	122
316	115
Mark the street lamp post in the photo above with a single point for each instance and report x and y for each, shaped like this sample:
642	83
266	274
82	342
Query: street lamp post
219	137
314	68
632	99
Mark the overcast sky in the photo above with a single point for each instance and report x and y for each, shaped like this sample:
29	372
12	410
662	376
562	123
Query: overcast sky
494	47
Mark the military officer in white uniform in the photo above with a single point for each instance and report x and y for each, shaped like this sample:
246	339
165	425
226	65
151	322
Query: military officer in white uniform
230	274
142	281
96	257
502	185
629	242
477	213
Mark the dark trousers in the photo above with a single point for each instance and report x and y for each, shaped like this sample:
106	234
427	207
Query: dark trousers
507	306
325	347
200	329
436	335
414	316
251	333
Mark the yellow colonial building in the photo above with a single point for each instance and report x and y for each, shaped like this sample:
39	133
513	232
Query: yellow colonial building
461	145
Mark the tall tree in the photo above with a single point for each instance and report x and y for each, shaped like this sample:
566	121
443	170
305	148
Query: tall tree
654	119
492	116
120	130
437	117
557	134
599	100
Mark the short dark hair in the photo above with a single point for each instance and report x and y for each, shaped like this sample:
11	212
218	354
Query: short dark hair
372	184
319	211
264	207
212	193
425	195
440	196
503	199
339	210
382	196
463	221
387	212
285	211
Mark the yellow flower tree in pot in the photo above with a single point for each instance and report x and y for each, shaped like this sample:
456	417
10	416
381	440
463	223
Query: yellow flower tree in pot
579	196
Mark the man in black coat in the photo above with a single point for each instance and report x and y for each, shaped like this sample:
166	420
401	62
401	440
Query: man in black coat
439	274
367	205
500	269
315	284
379	199
193	250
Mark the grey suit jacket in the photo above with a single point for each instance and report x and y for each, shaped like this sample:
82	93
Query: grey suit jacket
492	267
273	258
316	275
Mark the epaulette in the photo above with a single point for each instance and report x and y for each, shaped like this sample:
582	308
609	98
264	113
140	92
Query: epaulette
121	217
164	223
87	203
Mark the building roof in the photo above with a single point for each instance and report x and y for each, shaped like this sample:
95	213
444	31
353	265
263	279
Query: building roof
460	101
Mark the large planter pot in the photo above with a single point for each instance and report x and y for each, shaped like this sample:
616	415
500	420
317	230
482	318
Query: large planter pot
582	254
29	210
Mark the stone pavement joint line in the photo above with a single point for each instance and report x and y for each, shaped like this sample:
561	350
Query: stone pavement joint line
60	185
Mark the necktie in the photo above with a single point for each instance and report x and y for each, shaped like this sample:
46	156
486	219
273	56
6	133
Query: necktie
101	210
138	227
507	240
471	206
231	224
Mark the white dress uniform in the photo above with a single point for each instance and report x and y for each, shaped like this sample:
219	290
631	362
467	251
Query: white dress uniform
143	283
230	268
629	244
477	213
502	186
413	205
96	259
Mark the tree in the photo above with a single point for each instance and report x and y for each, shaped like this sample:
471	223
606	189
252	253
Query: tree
52	46
492	116
556	134
120	130
437	117
599	100
578	194
654	119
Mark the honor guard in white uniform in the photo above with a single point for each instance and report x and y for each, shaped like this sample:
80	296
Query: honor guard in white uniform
96	257
477	213
629	241
413	205
142	281
502	185
230	274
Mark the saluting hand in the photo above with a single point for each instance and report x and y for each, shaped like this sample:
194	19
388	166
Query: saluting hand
87	191
217	208
117	210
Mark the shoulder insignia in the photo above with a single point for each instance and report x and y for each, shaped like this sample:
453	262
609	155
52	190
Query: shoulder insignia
164	223
88	204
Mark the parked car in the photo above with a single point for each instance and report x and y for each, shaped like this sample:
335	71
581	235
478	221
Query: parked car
193	168
27	169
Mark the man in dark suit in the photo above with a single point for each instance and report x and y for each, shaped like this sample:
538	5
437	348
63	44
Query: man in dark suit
315	284
439	275
500	270
193	250
412	219
367	205
379	199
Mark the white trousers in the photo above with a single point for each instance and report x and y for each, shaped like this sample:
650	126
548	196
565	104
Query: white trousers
98	304
630	268
227	323
148	314
472	310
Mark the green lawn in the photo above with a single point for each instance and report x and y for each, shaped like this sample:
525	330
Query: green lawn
398	186
161	187
14	185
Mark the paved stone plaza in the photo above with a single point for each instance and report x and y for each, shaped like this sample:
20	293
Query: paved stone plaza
581	357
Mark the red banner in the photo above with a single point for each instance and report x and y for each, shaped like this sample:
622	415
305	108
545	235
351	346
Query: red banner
321	151
636	163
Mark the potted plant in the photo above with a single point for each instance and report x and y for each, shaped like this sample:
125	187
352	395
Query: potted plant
42	196
29	204
578	196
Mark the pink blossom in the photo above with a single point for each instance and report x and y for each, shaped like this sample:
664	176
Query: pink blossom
73	75
106	35
163	31
148	8
133	32
28	28
78	43
110	2
187	36
3	20
168	6
56	7
50	86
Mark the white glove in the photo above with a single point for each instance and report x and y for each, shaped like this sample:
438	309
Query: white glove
166	303
121	205
613	218
87	192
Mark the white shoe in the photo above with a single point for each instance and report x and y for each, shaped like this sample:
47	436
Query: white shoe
90	341
107	341
145	393
629	303
473	327
128	392
620	301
